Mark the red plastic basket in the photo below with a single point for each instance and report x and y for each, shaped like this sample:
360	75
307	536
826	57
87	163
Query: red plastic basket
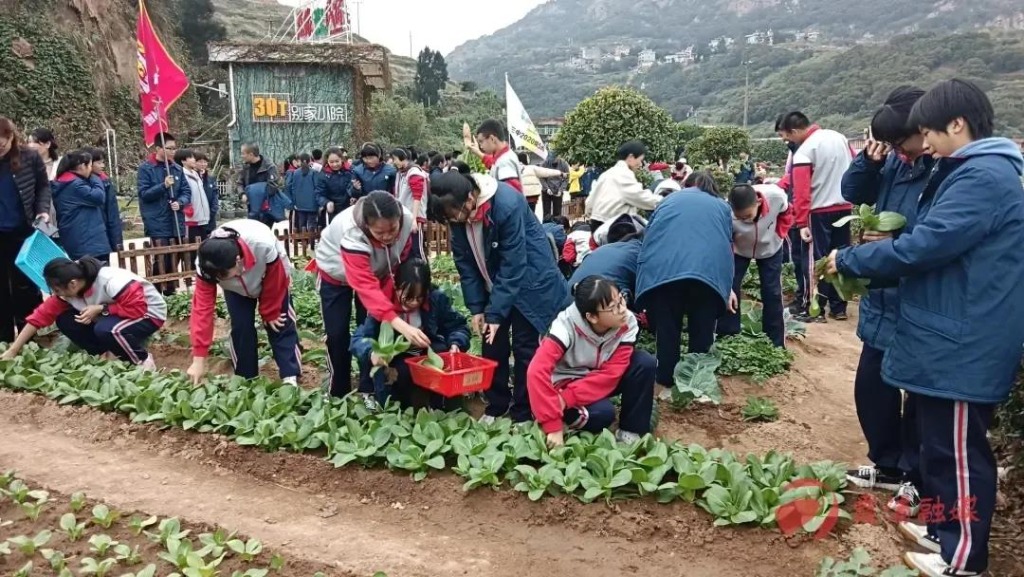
463	373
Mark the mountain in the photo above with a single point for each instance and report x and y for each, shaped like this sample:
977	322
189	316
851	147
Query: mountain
251	20
552	72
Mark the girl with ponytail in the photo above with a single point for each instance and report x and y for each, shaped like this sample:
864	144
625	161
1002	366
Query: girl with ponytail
101	309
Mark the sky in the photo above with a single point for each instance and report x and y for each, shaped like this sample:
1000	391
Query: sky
442	26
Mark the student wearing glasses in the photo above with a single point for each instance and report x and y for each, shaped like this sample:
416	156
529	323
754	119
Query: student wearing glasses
510	280
589	356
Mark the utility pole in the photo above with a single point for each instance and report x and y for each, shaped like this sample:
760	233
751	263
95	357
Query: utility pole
410	45
746	92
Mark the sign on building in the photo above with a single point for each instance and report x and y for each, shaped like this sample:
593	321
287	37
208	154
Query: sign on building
278	107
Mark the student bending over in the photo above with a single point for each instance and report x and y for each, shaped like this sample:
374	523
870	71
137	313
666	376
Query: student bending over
100	308
425	308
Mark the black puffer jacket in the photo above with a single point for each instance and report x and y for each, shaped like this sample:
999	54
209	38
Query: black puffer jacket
33	184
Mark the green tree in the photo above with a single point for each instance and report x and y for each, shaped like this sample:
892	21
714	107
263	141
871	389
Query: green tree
685	133
595	129
718	145
431	76
773	150
396	121
197	27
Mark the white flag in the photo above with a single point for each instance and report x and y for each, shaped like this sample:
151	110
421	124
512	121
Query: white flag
520	127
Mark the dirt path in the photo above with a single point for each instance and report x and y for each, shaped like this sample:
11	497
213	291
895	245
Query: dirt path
368	520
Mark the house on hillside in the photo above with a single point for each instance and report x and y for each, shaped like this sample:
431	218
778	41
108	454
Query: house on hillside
547	127
620	51
761	37
721	43
808	36
590	53
683	57
646	59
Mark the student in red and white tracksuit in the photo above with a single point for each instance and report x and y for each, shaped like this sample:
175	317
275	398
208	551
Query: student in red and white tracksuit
358	255
245	259
100	308
588	357
412	189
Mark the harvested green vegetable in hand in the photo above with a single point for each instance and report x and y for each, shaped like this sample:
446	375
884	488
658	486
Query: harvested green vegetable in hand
433	360
884	221
387	347
846	287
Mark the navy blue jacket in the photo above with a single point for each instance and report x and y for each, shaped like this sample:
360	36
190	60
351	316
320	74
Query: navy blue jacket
518	259
616	262
383	178
275	205
557	232
689	236
891	185
961	271
442	324
112	213
158	220
81	212
587	181
301	188
333	187
212	196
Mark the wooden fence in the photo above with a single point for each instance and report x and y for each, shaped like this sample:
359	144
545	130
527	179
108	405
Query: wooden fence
175	263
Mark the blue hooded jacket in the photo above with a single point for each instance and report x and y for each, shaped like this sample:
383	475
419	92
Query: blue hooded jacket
442	324
274	206
112	214
616	262
301	188
557	232
383	178
333	186
890	185
961	271
689	236
81	212
155	200
518	260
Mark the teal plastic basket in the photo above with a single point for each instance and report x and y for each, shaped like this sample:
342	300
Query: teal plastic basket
34	255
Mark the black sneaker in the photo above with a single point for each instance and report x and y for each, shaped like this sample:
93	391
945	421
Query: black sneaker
807	318
797	308
838	316
871	477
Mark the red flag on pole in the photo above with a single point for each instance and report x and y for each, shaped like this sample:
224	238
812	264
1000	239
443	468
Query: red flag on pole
161	80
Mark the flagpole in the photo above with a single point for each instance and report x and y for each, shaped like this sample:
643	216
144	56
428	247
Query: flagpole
167	165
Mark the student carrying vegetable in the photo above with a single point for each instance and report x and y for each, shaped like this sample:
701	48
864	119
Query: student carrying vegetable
587	357
250	265
509	277
957	345
425	308
890	173
102	309
357	257
761	218
686	269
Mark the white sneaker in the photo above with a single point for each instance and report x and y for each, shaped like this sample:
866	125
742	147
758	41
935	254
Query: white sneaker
487	420
369	402
626	437
293	381
918	535
932	565
149	364
906	502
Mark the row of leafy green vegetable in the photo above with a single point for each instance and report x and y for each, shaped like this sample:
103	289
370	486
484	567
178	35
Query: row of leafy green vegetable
735	490
193	559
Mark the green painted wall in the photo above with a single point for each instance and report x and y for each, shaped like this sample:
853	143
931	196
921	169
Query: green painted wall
307	84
